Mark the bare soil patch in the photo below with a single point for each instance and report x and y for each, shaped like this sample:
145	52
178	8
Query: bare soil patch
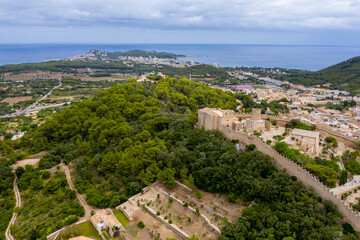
23	163
35	75
13	100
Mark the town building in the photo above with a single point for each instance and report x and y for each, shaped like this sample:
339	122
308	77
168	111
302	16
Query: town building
106	220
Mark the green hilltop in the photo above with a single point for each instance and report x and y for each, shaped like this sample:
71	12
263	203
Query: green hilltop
142	53
344	76
133	134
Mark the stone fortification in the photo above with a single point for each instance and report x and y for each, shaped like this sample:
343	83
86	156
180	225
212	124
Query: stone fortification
296	170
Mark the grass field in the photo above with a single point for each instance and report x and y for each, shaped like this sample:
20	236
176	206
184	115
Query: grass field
106	236
88	230
121	217
85	229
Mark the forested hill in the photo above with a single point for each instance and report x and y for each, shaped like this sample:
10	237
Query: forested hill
342	76
142	53
133	134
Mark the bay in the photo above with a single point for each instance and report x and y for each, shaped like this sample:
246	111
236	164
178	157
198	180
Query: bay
283	56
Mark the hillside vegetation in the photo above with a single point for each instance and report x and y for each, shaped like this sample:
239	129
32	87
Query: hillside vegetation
343	76
133	134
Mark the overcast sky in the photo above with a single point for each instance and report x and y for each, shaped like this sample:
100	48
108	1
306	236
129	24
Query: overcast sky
318	22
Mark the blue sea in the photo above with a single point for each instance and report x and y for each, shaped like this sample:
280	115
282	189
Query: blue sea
283	56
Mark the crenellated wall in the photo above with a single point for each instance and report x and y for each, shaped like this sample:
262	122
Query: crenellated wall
296	170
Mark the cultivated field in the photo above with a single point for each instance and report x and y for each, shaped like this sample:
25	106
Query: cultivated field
13	100
35	75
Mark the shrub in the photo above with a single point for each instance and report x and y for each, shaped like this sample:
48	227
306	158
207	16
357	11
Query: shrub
198	195
251	147
197	211
170	221
46	175
257	133
278	137
348	229
140	225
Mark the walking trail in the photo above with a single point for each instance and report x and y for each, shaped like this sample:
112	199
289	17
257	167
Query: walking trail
82	201
14	216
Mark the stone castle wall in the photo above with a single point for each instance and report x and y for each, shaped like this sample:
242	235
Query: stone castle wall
296	170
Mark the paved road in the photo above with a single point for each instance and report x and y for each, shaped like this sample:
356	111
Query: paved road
18	113
49	93
33	107
14	216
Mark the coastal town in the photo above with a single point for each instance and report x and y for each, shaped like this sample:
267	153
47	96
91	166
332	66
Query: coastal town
319	105
153	59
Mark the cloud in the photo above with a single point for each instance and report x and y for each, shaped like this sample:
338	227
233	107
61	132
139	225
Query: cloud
184	14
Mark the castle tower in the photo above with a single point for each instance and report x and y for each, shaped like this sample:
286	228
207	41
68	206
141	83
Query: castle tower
256	114
255	123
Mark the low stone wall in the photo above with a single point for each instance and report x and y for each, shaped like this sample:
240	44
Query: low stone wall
174	228
209	210
123	237
206	221
121	208
302	174
183	186
347	190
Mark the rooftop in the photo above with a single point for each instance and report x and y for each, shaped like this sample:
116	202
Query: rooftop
80	238
306	133
213	112
107	216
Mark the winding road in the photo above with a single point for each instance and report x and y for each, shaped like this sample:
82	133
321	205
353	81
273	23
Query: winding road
14	216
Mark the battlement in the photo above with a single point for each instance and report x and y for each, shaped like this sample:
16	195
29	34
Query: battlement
296	170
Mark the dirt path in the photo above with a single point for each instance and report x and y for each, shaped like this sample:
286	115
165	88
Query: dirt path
14	216
82	201
23	163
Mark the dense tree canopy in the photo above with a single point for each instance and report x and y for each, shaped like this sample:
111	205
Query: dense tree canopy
134	134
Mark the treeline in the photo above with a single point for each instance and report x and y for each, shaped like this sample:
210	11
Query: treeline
142	53
134	134
61	66
342	76
203	70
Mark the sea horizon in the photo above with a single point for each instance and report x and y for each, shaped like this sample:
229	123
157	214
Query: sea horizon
306	57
